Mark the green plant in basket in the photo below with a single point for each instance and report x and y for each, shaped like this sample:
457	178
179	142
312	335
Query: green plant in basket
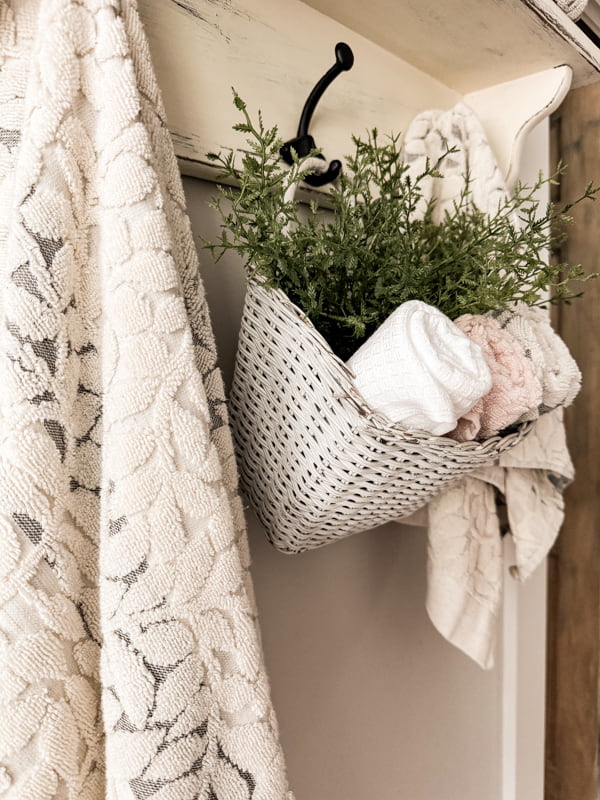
349	266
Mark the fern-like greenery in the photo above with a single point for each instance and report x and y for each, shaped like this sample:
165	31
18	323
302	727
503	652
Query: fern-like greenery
349	267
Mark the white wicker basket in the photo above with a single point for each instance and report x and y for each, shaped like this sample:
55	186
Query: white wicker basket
316	463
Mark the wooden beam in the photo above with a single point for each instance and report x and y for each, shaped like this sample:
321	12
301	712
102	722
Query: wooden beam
574	589
274	51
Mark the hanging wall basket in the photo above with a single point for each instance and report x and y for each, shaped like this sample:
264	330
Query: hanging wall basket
316	463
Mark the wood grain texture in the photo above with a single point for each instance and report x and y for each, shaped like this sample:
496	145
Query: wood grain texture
471	44
574	589
274	52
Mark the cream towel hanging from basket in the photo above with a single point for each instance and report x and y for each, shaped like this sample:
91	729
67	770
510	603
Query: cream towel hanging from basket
465	570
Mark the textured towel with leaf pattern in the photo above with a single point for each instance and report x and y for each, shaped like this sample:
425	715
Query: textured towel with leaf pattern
465	569
130	663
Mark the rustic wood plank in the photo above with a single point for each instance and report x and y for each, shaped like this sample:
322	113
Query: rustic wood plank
471	44
273	52
574	588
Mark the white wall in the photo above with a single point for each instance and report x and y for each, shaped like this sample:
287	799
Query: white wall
372	702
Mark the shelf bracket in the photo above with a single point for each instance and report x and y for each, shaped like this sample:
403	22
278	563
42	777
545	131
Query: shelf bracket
508	111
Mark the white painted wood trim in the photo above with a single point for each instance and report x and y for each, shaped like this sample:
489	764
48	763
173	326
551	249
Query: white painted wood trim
510	675
532	595
274	51
522	662
472	44
509	111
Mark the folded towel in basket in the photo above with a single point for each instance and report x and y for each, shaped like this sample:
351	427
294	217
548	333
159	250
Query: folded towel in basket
555	367
420	370
516	389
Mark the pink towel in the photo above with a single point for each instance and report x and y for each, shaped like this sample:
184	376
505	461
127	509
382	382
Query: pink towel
515	386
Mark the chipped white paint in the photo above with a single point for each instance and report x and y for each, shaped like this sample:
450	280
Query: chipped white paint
274	51
509	111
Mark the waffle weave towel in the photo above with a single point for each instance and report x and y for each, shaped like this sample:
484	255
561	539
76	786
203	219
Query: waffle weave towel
420	370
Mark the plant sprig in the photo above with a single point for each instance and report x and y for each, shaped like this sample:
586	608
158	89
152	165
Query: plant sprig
349	267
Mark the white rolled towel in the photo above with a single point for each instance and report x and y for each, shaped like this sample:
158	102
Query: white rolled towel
420	370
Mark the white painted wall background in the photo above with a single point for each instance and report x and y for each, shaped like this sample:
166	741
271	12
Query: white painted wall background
371	701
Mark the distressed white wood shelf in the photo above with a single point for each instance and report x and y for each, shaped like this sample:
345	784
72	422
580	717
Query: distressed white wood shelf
511	60
472	44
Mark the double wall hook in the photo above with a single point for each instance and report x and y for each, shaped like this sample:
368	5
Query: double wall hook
304	143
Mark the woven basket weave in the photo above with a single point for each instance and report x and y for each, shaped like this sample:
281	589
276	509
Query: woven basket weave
316	463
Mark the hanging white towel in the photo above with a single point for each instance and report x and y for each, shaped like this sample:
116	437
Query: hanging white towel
465	569
430	137
129	652
464	546
420	370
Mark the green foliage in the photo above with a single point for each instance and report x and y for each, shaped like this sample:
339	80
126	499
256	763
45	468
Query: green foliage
348	268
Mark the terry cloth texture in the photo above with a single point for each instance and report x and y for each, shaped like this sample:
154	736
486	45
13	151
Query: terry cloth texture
464	545
554	366
515	386
130	660
420	370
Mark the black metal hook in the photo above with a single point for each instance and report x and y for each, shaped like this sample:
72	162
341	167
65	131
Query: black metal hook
304	143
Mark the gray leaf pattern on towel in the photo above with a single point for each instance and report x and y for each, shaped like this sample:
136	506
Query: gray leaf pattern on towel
129	649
